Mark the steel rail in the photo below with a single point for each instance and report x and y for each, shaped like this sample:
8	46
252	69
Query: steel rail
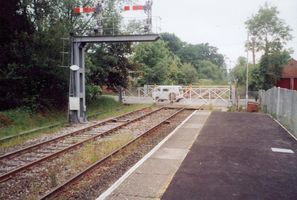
9	174
68	134
85	171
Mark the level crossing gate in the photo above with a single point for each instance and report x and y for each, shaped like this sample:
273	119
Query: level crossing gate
200	95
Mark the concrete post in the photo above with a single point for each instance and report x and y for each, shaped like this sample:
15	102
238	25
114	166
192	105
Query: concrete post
278	102
233	95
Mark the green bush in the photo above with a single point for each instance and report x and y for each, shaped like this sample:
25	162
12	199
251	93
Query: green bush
93	92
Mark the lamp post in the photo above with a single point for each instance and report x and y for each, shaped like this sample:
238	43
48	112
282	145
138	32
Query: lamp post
228	70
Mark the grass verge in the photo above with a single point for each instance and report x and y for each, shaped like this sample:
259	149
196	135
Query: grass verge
21	120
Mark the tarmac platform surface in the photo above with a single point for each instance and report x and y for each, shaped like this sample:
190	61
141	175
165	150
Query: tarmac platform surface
238	156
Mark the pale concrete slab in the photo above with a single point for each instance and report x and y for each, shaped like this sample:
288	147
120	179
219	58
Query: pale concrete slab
145	185
185	134
196	118
193	125
199	119
178	144
185	131
184	138
158	166
171	153
203	112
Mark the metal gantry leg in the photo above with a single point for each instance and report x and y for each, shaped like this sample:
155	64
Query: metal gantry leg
77	97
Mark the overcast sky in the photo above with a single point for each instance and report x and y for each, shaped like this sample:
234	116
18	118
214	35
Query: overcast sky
219	22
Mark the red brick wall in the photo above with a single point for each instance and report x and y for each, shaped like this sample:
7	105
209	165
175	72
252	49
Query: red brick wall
289	76
290	69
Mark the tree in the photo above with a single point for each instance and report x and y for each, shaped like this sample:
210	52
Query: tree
270	33
15	44
173	42
188	74
109	66
172	61
157	63
238	73
134	27
208	70
192	53
270	69
31	32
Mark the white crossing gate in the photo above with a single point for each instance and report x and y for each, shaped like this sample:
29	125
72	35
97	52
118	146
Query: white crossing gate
199	95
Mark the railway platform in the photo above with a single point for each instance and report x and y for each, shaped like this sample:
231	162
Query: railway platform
150	179
217	156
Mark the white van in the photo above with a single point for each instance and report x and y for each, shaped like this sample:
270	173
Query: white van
167	92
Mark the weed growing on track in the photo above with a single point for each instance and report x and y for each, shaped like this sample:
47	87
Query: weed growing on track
97	150
34	191
53	177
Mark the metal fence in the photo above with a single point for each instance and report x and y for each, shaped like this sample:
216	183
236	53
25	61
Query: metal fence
282	105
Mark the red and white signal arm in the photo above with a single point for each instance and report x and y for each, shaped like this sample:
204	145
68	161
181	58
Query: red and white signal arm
135	7
79	10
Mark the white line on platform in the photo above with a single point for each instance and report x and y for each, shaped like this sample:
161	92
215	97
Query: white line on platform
132	169
283	127
281	150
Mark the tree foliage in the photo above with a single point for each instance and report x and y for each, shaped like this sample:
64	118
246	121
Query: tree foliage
208	70
263	75
269	31
238	73
193	53
188	74
173	61
270	35
30	61
30	36
31	33
172	42
156	62
270	69
110	66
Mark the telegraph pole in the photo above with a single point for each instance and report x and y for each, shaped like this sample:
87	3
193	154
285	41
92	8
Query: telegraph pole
254	50
247	74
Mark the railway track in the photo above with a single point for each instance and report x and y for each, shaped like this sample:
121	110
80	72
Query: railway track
32	181
87	173
14	162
